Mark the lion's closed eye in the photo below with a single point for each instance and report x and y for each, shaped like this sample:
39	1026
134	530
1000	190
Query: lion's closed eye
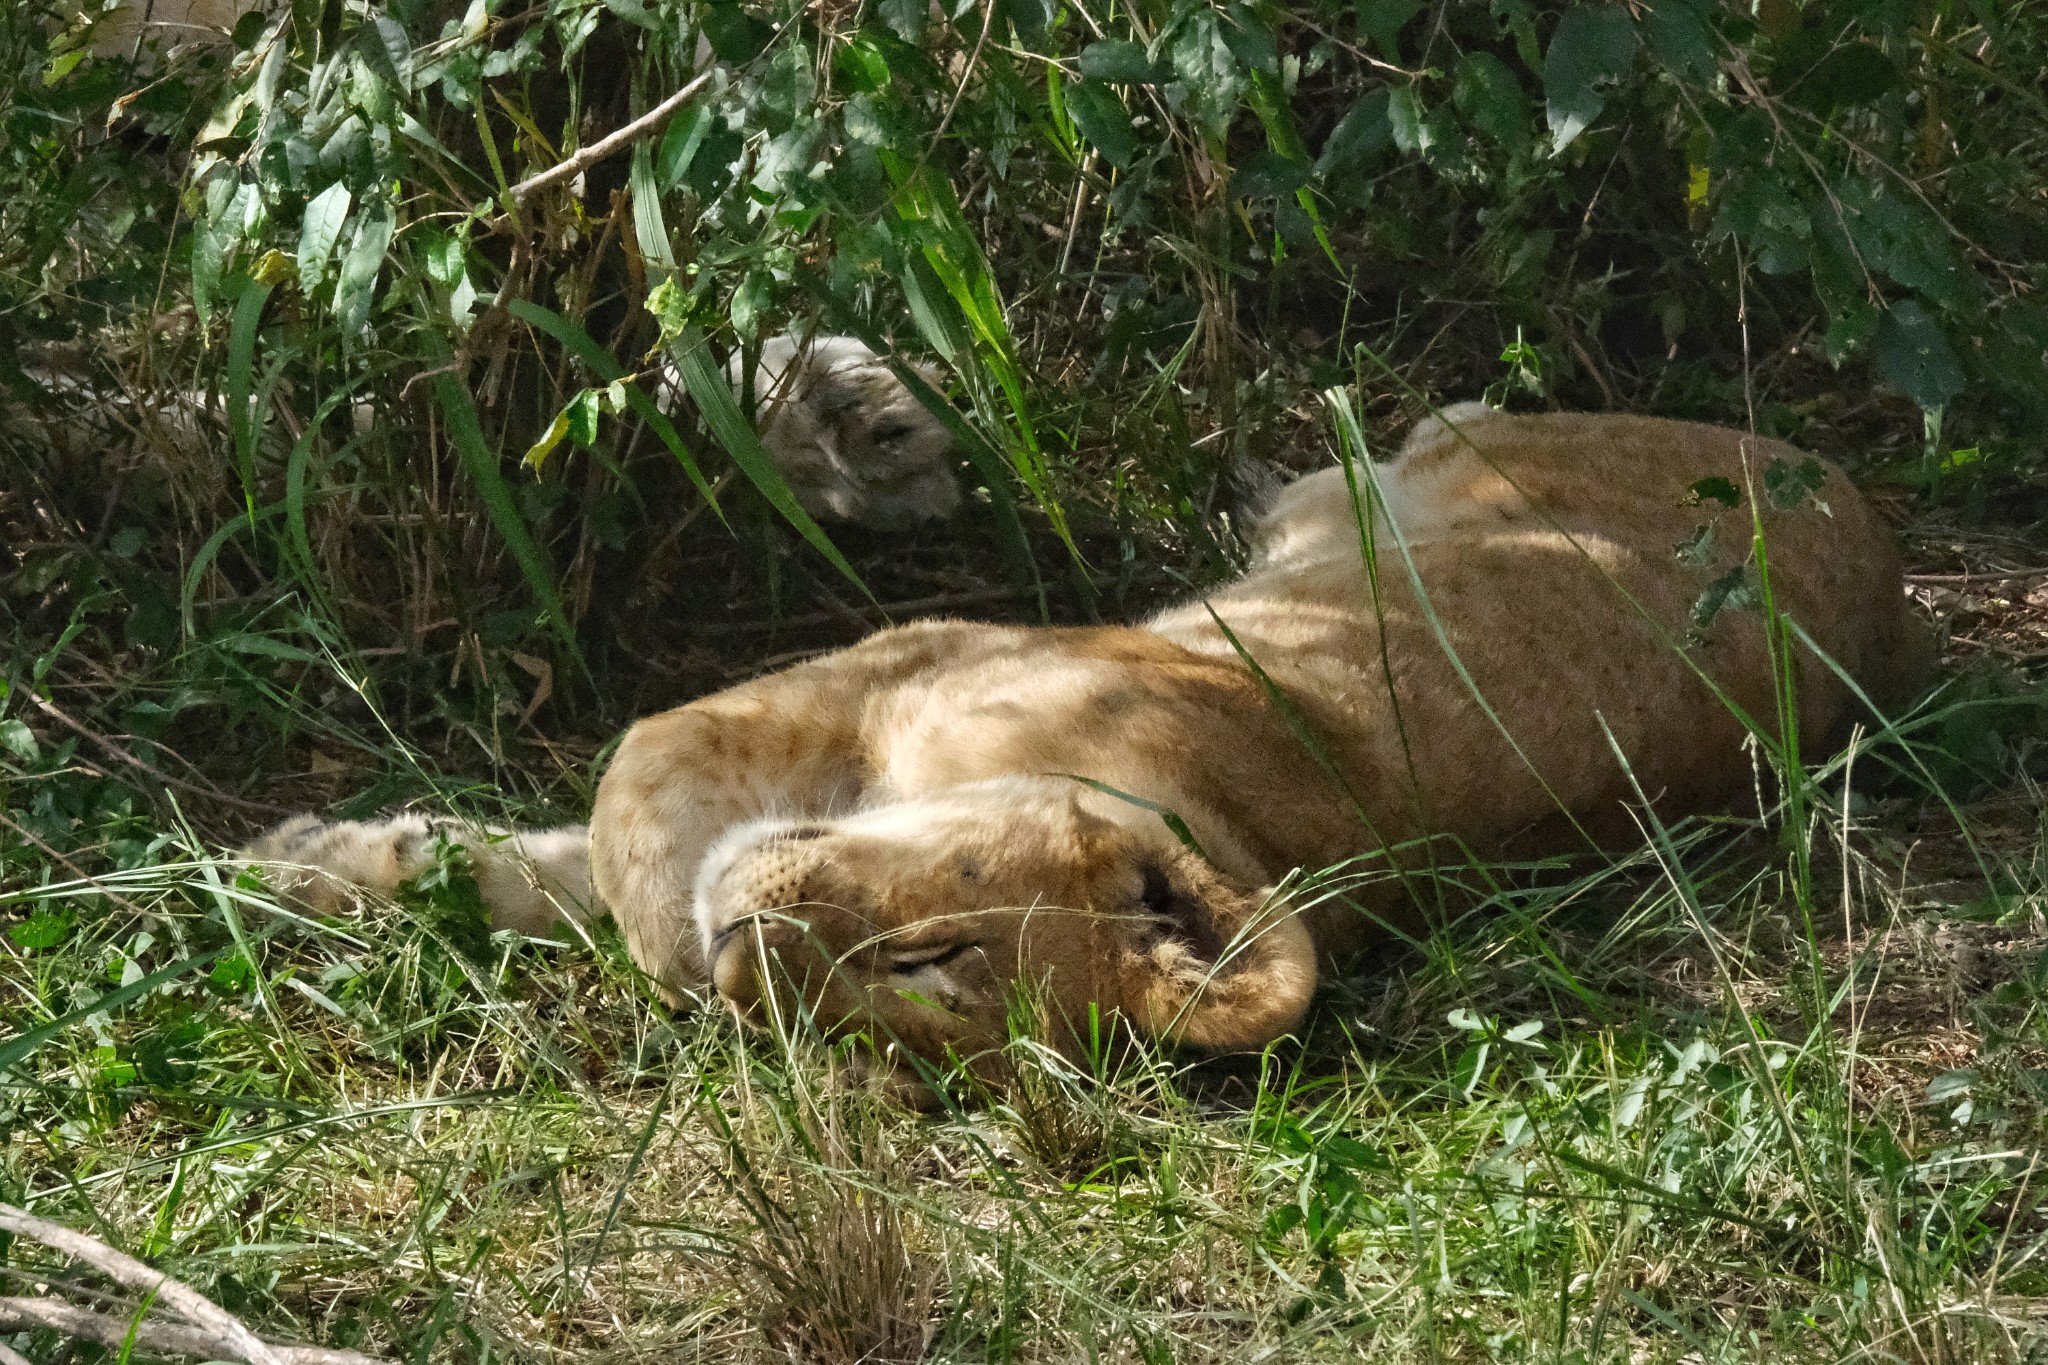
937	956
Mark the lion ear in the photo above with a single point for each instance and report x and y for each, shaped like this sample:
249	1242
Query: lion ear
1209	964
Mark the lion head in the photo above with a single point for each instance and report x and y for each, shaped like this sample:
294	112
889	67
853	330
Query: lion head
916	923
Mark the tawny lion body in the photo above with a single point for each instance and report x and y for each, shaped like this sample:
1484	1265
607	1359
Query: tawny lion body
895	835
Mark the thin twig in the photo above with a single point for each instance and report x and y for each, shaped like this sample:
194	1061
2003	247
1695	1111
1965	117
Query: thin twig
610	142
27	1315
113	750
75	870
1987	579
175	1295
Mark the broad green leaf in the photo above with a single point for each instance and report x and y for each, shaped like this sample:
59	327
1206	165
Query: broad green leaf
1714	489
319	230
1405	119
1365	129
1696	551
1118	61
356	288
1682	40
17	739
1383	21
1915	358
1488	94
1732	591
1854	73
1589	55
43	929
582	414
679	145
1787	485
735	35
1268	175
1104	121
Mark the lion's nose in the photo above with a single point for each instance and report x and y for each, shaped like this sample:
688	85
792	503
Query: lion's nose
780	923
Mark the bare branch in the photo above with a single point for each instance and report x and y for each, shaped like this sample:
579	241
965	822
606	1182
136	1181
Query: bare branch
180	1298
26	1315
611	142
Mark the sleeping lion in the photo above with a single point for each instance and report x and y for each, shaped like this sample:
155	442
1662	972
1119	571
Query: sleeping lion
894	838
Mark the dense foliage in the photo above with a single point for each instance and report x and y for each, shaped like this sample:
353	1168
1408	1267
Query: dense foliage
1139	238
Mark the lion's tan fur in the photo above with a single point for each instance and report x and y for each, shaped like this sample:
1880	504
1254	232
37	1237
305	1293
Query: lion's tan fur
893	837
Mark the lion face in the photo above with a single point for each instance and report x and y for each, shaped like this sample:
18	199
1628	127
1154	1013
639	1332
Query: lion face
921	923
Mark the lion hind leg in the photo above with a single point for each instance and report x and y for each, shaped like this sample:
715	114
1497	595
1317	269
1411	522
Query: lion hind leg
530	880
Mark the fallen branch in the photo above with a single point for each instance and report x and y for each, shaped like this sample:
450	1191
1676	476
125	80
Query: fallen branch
611	142
27	1315
1985	578
166	1337
218	1333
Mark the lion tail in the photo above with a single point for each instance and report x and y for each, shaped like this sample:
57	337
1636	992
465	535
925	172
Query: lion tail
532	880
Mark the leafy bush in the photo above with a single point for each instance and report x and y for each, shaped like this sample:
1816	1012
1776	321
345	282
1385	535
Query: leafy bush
1137	240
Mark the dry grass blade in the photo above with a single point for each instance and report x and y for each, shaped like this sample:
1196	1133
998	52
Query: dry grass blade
844	1283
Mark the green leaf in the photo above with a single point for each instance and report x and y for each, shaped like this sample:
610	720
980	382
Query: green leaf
538	452
735	35
1787	485
1696	551
445	258
1682	41
1365	129
17	739
1383	21
606	366
17	1048
1850	326
582	415
480	462
1732	591
1104	121
1488	94
1119	62
1404	118
356	288
319	230
1714	489
861	65
1915	358
679	145
43	929
1589	55
1852	74
1268	175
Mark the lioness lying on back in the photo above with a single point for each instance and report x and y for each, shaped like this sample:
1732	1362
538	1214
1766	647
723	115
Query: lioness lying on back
893	837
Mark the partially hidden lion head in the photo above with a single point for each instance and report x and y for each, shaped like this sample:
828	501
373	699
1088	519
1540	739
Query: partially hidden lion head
921	924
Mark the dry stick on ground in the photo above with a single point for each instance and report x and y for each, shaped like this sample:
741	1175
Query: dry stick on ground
213	1332
27	1315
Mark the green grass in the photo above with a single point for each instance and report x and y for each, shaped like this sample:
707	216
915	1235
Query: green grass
1659	1111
